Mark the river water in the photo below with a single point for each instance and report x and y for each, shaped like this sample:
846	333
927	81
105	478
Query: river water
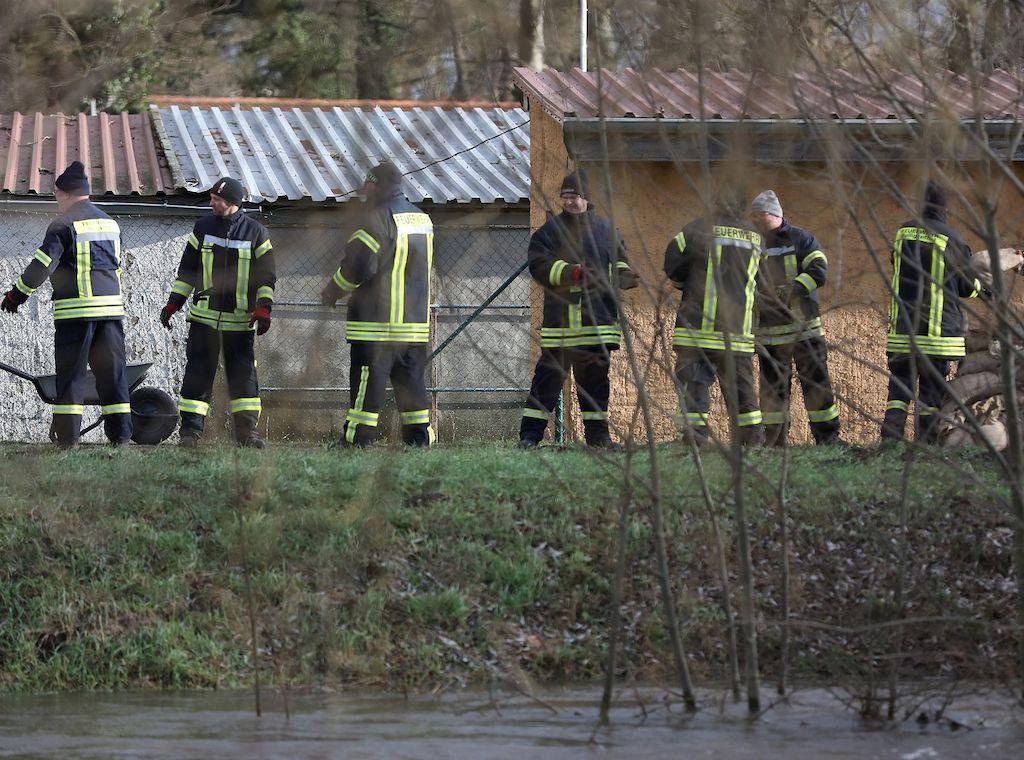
645	723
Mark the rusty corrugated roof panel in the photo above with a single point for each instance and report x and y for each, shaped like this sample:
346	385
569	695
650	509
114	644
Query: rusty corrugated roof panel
118	150
449	154
734	95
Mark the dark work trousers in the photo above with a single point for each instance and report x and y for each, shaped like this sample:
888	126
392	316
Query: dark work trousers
372	364
776	364
929	372
696	369
100	345
589	366
201	354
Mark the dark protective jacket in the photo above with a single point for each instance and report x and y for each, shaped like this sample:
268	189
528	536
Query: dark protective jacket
793	267
931	273
386	268
584	313
714	263
81	254
229	262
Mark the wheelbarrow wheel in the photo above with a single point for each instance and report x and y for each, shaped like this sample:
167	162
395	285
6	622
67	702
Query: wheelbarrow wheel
154	415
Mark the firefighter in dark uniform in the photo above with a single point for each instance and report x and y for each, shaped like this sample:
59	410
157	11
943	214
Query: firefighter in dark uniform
229	263
714	262
385	270
793	267
931	273
578	258
81	255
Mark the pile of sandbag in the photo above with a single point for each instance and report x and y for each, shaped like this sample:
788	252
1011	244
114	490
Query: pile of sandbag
978	385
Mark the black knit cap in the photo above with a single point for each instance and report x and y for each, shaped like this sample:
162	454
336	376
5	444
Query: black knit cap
385	175
576	182
230	190
73	180
935	196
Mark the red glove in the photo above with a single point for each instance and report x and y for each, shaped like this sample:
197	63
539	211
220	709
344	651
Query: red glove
578	275
10	304
260	314
166	313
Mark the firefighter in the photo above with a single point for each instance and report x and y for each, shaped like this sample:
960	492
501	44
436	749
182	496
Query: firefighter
385	271
81	255
579	259
931	273
793	267
229	264
714	262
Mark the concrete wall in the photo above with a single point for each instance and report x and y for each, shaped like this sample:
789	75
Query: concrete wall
853	209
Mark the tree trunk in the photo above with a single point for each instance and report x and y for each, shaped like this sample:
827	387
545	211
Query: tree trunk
373	55
531	33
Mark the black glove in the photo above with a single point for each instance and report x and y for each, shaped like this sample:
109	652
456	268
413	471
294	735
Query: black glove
166	313
628	279
784	293
11	302
330	294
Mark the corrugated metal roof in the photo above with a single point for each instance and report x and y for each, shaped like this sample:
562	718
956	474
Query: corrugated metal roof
734	95
118	150
449	154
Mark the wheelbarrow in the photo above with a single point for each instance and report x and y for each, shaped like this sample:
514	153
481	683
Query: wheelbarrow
154	412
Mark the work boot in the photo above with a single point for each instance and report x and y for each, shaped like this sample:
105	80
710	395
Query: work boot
188	439
528	443
252	441
606	443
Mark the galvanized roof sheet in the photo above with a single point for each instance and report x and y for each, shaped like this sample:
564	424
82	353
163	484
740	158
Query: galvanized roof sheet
120	155
449	154
734	95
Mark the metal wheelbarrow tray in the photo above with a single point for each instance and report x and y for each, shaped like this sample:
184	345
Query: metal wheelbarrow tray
154	412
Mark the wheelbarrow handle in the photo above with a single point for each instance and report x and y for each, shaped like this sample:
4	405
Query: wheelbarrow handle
19	372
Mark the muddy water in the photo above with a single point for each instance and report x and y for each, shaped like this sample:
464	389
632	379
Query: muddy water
647	723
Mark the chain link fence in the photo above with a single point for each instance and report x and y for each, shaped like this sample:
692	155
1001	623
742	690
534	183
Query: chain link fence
478	376
480	339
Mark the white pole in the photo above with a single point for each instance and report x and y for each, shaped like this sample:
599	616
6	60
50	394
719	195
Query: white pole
583	35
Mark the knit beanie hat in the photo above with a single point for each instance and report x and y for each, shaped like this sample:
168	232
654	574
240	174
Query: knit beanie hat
768	202
230	190
935	196
73	180
576	182
385	175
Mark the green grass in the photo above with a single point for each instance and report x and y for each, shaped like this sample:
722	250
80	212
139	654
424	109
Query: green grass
419	569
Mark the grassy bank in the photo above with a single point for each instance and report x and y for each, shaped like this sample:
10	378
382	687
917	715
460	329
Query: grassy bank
427	569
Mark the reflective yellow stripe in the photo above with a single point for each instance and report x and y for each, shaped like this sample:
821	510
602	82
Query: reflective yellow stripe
748	302
242	279
339	280
711	340
207	256
398	279
748	418
193	240
366	239
927	411
823	415
807	281
925	344
42	257
592	416
937	292
77	409
681	241
264	247
244	405
181	288
897	264
901	406
418	417
21	286
193	406
265	292
414	332
355	415
536	414
84	265
555	274
229	321
707	320
92	226
124	408
977	288
811	257
773	418
696	419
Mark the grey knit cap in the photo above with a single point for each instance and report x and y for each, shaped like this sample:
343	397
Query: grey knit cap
768	202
